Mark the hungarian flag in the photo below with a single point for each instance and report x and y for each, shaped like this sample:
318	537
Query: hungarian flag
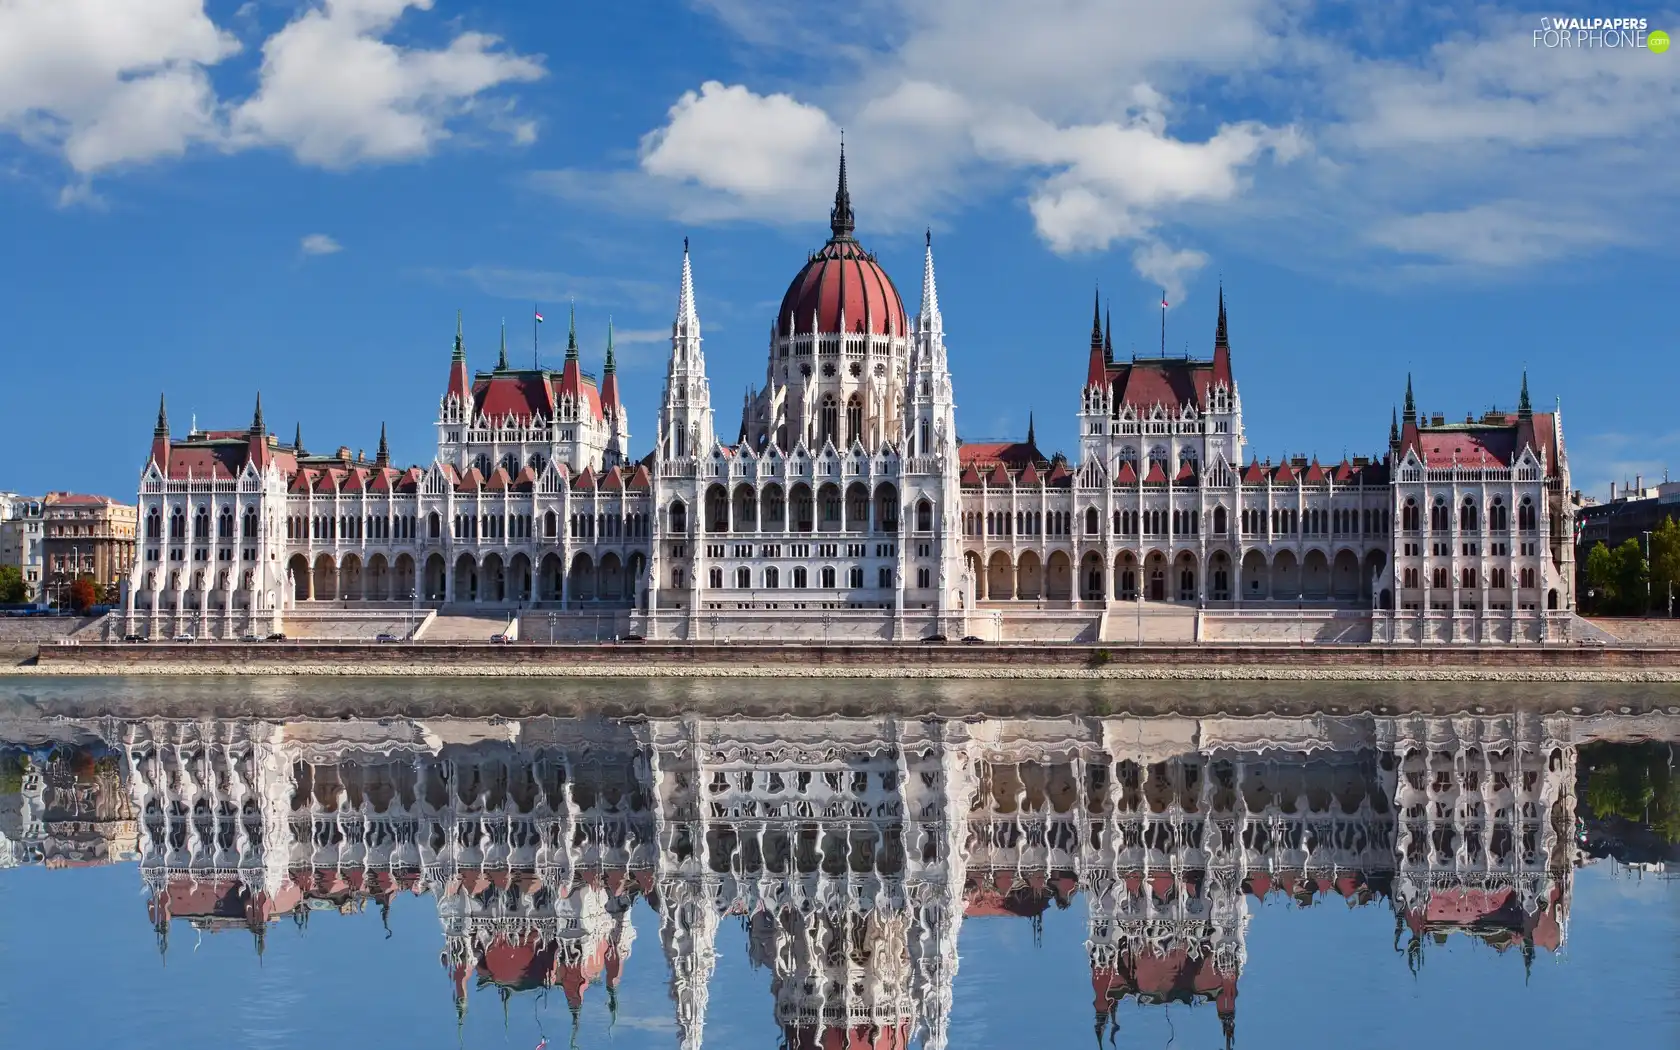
539	317
1163	300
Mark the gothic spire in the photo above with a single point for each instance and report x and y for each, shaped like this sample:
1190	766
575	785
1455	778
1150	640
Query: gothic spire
383	456
1096	320
929	313
571	336
257	419
840	219
501	359
1410	411
162	428
1220	336
1393	427
297	440
1525	410
460	343
688	321
1030	437
1108	337
611	366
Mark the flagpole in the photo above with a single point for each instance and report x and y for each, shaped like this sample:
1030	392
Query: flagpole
1163	322
536	360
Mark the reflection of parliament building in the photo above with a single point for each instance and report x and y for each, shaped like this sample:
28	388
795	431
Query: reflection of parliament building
851	850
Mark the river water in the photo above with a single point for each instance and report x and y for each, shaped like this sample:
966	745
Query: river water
288	863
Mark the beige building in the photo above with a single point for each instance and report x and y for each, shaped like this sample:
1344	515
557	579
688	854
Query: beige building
85	535
20	538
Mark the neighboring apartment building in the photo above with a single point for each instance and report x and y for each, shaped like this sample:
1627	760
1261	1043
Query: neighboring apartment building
20	538
86	535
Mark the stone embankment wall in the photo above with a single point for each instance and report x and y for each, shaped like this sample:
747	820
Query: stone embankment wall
653	656
1640	631
41	630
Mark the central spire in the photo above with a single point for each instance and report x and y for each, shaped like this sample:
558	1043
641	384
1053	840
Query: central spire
840	218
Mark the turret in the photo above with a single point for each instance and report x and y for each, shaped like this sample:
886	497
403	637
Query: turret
1221	346
382	458
685	414
257	440
612	408
160	438
459	391
1097	373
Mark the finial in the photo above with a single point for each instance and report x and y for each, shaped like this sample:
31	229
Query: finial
571	336
162	428
383	456
1221	338
841	222
928	233
611	366
501	359
257	419
460	341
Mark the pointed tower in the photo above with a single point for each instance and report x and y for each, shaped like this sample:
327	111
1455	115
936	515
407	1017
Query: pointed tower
297	442
1032	439
931	472
1409	415
1222	346
612	407
457	397
1393	428
160	438
686	409
1108	337
501	356
841	222
256	451
382	458
1525	410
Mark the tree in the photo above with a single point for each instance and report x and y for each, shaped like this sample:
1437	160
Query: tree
1633	577
1617	578
84	594
13	589
1665	561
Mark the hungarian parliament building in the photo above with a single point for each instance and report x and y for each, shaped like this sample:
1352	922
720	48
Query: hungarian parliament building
845	506
847	854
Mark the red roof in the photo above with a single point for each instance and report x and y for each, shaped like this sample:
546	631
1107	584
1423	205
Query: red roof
842	281
522	395
1494	441
1169	382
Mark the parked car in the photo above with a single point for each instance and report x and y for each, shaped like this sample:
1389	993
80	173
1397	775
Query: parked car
183	638
133	638
276	638
935	639
249	638
387	637
973	639
501	639
632	638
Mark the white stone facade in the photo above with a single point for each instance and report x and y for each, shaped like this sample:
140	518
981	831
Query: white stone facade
846	508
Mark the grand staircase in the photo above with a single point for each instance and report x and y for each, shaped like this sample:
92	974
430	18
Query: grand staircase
458	626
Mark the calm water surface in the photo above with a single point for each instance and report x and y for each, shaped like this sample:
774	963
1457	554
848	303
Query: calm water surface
1280	879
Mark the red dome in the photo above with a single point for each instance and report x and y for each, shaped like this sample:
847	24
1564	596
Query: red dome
842	278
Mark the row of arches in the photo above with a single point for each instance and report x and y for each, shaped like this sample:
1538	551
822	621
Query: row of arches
799	508
1469	516
489	579
201	524
1156	576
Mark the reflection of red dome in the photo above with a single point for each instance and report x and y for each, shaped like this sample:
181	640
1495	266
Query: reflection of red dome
842	278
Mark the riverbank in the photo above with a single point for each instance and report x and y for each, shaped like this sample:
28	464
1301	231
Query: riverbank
953	661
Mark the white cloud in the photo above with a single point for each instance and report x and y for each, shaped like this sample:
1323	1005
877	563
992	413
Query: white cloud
319	244
1122	120
1168	267
109	81
335	93
106	83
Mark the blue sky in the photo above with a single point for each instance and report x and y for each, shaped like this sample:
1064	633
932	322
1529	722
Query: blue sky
1313	976
211	198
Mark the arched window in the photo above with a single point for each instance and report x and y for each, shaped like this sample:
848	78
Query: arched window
538	462
1526	518
679	516
154	524
854	419
1499	516
1158	454
482	462
830	420
743	578
1439	519
1092	521
510	463
434	525
1128	454
715	578
1219	521
1467	516
224	524
884	578
925	442
201	524
1409	516
799	577
249	529
551	525
924	516
772	578
828	577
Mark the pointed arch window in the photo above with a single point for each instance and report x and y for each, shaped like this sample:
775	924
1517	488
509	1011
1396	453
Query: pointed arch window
829	421
854	420
924	441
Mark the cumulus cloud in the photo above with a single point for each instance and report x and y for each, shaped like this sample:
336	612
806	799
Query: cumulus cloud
335	93
1168	267
1438	134
319	244
106	83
